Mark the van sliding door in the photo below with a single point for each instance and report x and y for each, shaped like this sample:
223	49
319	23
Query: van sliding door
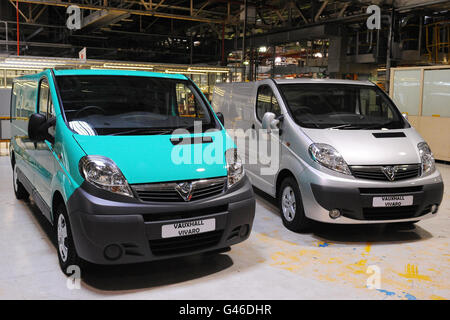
268	156
45	161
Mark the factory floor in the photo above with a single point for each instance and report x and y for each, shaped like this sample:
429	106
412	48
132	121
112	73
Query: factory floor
331	262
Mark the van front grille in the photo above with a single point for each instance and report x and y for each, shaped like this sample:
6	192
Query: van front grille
381	173
390	213
391	191
186	244
178	215
167	192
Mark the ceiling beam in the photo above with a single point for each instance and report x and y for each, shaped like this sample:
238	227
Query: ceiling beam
35	33
341	12
202	7
158	5
20	11
300	13
151	13
33	19
324	4
150	4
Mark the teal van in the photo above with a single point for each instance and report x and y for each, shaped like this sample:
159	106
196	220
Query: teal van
128	166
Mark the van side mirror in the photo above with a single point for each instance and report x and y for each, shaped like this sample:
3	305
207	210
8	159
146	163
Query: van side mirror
405	115
270	122
38	127
221	118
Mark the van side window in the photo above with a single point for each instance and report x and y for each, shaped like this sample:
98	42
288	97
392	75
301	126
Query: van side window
28	99
266	102
43	97
18	87
275	106
45	103
371	104
13	102
50	109
187	104
18	94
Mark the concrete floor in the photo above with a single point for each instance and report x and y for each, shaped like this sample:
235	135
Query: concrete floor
329	263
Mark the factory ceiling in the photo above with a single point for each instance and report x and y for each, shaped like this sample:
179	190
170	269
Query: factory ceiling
169	30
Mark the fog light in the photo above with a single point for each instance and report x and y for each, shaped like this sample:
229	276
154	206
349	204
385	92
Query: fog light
244	231
113	252
434	208
335	213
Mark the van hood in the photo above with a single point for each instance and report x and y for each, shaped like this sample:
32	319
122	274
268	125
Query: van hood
154	158
361	147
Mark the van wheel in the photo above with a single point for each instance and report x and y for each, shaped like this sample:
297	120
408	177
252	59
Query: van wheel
291	206
67	254
19	190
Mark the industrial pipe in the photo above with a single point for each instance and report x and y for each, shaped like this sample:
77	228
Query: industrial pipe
244	32
18	33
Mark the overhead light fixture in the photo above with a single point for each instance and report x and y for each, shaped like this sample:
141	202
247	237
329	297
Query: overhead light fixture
7	66
33	63
127	67
128	64
208	70
177	71
262	49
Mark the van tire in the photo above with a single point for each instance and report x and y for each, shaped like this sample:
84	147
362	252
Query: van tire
19	190
67	255
291	206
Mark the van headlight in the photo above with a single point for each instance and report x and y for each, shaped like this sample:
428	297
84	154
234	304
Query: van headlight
103	173
328	157
426	157
235	168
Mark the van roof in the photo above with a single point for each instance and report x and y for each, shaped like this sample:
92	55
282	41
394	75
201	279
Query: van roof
111	72
335	81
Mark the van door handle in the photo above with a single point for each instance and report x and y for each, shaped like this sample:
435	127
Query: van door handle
253	126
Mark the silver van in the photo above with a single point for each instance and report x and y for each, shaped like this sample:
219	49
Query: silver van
343	152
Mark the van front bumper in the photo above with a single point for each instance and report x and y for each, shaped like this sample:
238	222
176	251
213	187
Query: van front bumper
132	229
322	192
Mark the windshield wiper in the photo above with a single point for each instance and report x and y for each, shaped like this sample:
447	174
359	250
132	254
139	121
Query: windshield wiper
143	130
342	126
378	126
204	126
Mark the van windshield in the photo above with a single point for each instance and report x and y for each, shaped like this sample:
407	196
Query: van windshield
132	105
341	106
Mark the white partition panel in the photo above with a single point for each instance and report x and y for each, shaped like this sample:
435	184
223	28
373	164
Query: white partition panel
424	92
436	93
406	93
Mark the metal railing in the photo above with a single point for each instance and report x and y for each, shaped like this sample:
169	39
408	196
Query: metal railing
437	37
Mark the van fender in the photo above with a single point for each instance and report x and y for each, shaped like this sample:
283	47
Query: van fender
64	185
292	163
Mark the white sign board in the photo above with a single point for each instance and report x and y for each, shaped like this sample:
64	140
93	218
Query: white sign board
82	54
